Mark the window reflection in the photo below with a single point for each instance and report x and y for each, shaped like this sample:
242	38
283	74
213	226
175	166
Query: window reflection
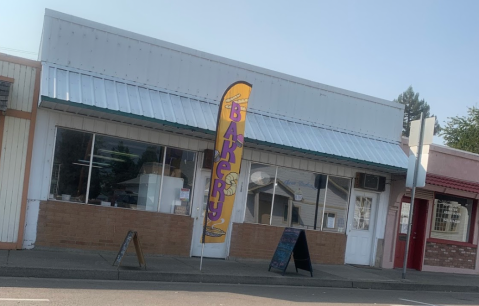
337	201
178	181
403	222
70	167
260	194
452	218
297	199
122	168
300	188
362	213
124	173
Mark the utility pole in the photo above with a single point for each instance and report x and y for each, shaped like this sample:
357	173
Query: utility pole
413	193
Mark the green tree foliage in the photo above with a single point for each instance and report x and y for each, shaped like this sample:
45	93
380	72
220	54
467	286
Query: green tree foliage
463	132
413	107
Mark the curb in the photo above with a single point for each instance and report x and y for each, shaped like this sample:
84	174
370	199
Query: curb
413	287
223	279
58	273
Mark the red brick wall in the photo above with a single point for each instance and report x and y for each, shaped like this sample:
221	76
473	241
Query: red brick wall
72	225
260	241
449	255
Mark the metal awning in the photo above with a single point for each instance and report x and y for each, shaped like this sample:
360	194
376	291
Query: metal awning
78	91
452	183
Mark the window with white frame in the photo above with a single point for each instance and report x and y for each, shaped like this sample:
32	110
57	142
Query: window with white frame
452	218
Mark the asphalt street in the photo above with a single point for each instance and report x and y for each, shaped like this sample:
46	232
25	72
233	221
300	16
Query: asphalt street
46	292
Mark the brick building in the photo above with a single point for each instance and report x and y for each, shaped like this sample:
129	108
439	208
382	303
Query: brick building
444	234
124	134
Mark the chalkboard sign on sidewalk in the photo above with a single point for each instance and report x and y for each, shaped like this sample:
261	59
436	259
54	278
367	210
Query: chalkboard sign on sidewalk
139	252
293	241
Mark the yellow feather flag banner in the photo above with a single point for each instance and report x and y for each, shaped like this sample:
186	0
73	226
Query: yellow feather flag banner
227	161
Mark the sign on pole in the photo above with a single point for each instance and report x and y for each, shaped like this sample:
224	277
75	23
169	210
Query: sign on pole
227	161
414	139
420	137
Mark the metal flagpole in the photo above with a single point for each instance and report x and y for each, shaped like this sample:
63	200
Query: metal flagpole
203	236
413	193
202	250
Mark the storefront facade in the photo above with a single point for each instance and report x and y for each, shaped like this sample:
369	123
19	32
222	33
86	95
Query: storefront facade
124	140
445	223
19	90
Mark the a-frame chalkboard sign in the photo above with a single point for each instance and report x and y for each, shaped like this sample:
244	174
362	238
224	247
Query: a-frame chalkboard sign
139	252
293	241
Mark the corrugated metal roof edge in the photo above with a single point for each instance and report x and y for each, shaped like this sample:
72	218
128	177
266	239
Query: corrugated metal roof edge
254	141
217	58
46	65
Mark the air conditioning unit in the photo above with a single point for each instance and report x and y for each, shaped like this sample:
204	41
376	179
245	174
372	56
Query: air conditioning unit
370	182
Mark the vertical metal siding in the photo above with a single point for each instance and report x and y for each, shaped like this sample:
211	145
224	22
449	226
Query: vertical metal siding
12	172
21	95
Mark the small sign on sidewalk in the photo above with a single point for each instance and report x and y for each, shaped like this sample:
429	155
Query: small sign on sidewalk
292	242
139	252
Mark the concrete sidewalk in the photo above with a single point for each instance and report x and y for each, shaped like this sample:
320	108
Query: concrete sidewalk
71	264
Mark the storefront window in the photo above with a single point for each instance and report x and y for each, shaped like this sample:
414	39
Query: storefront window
124	173
297	198
71	166
260	195
299	188
178	181
451	218
336	207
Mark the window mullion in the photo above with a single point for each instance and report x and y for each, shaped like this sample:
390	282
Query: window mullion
162	176
89	169
324	203
272	200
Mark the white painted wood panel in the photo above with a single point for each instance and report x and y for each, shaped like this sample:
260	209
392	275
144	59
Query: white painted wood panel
21	92
21	166
12	173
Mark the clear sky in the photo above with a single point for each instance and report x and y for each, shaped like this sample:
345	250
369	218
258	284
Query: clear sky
376	47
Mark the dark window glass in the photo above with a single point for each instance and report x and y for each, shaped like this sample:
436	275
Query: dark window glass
120	170
124	173
71	163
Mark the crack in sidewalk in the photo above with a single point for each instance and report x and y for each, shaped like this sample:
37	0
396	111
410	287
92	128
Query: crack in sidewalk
185	263
103	257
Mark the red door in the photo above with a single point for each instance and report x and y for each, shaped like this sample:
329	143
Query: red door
418	233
